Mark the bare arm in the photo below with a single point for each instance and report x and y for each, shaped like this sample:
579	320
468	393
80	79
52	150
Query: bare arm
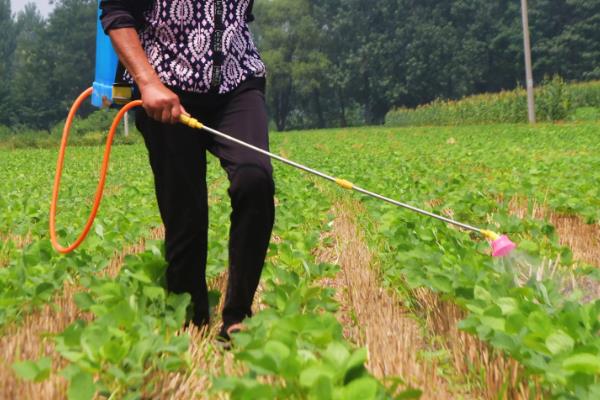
159	102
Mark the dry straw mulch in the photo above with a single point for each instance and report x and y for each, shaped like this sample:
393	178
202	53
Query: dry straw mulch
17	241
375	318
29	340
207	361
583	239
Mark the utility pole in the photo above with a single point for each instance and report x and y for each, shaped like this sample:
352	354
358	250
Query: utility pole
528	68
126	123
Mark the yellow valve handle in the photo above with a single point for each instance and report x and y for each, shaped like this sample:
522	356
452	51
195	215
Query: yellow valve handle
493	236
344	184
191	122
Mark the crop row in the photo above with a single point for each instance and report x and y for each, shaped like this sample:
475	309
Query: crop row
36	272
295	342
471	176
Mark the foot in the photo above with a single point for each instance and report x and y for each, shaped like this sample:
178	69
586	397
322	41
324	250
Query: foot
199	323
224	336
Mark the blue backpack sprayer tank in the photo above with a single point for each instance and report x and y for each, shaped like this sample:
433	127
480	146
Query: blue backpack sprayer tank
107	91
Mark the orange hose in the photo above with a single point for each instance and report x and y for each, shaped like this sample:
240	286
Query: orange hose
103	171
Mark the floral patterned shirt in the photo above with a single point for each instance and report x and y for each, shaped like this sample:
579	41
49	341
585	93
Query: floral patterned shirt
199	46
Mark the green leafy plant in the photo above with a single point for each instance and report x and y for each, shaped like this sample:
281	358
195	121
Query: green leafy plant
295	343
555	99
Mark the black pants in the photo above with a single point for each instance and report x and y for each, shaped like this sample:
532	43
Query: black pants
178	159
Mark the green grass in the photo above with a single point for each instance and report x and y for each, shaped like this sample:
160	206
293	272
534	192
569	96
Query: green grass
89	131
586	114
45	140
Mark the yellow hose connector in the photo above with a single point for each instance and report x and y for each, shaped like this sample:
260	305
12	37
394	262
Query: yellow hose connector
490	235
122	93
191	122
344	184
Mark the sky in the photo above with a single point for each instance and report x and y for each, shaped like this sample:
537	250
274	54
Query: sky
43	5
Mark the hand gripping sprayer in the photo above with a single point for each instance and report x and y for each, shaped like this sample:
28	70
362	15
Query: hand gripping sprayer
105	92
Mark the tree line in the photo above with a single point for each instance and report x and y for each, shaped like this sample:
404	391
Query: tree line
330	62
44	62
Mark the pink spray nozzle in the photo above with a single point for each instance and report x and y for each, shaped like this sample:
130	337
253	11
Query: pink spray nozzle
502	246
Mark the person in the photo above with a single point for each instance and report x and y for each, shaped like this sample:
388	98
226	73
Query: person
198	57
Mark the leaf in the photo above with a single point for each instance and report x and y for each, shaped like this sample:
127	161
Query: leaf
155	293
482	294
92	340
123	314
259	361
35	371
99	230
213	298
361	389
539	322
25	370
497	324
173	364
44	289
72	335
475	309
504	342
82	387
114	351
584	362
84	301
441	283
140	276
310	375
529	246
409	394
508	305
337	353
277	351
559	342
322	389
357	359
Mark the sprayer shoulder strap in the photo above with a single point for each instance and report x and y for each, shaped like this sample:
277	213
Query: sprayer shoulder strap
249	15
119	75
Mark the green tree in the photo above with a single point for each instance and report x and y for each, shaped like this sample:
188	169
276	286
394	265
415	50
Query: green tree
367	50
31	90
330	62
54	61
71	36
291	39
566	38
7	49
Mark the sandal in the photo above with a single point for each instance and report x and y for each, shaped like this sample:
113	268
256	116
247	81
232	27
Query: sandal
224	336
